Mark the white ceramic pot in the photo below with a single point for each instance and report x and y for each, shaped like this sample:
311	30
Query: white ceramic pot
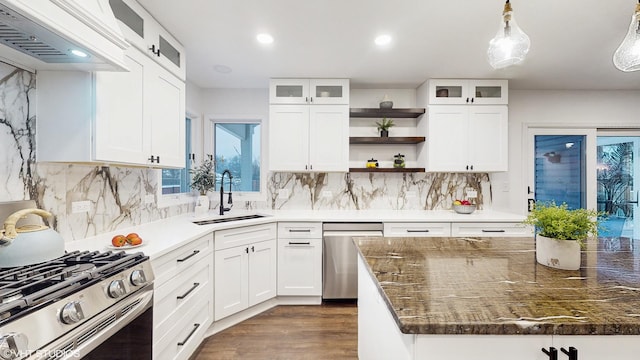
202	204
559	254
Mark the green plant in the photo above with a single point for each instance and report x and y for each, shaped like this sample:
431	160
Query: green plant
204	178
558	222
385	124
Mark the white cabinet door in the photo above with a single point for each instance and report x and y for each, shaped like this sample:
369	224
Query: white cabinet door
329	138
329	91
122	126
488	92
166	104
289	91
488	138
465	138
447	138
300	266
231	281
262	271
289	138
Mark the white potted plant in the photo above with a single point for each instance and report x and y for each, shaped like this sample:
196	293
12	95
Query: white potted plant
561	233
203	180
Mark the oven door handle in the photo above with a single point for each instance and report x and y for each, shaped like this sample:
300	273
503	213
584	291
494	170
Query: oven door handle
195	327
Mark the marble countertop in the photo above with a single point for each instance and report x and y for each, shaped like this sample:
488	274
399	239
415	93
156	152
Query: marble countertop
163	236
494	286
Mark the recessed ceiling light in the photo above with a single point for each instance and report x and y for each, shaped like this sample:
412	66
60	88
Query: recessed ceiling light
383	40
79	53
264	38
223	69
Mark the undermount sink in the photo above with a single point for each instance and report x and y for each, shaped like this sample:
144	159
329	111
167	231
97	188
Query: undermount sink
228	219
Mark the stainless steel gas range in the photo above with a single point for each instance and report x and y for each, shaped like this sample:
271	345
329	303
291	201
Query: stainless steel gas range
92	305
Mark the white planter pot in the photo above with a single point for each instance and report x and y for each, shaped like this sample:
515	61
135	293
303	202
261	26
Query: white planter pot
202	204
559	254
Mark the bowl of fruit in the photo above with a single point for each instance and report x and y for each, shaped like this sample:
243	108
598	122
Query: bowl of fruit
463	207
122	242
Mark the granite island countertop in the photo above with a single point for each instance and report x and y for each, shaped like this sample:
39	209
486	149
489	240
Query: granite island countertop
494	286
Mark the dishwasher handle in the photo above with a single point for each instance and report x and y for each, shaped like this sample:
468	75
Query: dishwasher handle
350	233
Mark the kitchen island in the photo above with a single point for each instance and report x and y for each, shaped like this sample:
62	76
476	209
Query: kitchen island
487	298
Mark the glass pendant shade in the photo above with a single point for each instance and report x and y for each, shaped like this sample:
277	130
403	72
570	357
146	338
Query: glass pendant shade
510	45
627	57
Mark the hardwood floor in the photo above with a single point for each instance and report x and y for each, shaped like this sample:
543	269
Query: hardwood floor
327	331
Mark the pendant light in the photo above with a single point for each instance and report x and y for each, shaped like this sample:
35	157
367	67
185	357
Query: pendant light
627	57
510	45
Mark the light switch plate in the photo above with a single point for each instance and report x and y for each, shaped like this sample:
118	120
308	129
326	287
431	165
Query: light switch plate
327	194
283	193
149	199
411	194
471	193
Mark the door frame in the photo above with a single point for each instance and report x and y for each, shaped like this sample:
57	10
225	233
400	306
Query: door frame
590	156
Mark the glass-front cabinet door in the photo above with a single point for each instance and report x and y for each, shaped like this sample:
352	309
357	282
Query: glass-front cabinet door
309	91
468	92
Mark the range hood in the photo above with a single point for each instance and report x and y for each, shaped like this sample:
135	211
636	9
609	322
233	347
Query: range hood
61	35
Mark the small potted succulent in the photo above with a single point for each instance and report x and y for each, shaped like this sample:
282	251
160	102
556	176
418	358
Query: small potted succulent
203	179
384	125
561	233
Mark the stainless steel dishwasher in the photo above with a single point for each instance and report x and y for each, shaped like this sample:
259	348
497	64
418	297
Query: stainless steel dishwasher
339	263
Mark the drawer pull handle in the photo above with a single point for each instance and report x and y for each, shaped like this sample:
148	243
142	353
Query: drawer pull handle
417	231
195	327
299	242
195	285
493	231
194	253
300	230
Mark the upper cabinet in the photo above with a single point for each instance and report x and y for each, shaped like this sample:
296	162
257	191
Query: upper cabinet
309	91
129	118
143	32
468	92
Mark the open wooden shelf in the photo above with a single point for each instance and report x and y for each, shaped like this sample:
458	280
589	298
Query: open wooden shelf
387	140
390	113
386	170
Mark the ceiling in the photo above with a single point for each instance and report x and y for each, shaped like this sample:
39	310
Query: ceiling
572	42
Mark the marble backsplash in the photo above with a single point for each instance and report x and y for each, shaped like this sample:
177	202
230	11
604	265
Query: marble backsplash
117	194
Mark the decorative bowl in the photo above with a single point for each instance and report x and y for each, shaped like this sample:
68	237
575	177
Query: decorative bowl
464	209
386	104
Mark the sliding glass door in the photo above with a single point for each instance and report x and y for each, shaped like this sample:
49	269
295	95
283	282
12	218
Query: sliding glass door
618	179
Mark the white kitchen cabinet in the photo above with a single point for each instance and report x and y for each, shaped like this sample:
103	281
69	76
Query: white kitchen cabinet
468	92
129	118
309	91
144	32
183	298
489	229
245	270
464	138
309	138
417	229
299	259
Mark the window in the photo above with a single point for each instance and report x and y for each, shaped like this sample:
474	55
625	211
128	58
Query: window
175	182
237	147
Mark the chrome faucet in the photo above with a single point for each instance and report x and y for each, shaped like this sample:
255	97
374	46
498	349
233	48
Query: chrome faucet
230	201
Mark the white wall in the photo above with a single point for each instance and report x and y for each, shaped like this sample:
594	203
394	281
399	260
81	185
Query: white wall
236	102
579	109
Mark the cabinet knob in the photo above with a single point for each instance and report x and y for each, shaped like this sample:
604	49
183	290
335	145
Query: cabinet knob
246	250
552	353
471	165
472	100
572	353
152	159
253	249
467	100
154	50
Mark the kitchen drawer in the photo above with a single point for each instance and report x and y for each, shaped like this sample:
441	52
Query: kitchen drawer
225	239
490	229
167	266
184	338
417	229
174	297
299	230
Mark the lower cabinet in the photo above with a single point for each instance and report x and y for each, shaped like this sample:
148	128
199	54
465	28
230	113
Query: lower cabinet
299	259
183	300
245	274
491	229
